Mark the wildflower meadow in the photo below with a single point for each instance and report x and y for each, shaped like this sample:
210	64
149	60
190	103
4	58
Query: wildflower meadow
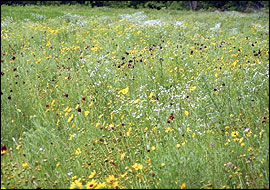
134	98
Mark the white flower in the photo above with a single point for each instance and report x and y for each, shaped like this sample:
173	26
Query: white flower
70	173
246	130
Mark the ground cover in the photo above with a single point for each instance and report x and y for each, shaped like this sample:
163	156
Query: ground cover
134	98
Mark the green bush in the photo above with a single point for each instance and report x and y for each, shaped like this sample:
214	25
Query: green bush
174	5
245	6
48	2
119	4
179	5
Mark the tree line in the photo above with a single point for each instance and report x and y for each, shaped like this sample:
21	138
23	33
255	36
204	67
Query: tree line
178	5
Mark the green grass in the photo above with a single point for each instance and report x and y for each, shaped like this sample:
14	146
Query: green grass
153	99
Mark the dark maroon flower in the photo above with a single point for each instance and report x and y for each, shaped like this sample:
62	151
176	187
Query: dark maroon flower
3	149
171	117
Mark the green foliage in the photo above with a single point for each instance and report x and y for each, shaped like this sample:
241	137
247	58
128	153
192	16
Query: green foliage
131	98
154	5
177	5
48	3
119	4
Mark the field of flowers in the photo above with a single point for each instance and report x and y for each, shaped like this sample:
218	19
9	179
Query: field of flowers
126	98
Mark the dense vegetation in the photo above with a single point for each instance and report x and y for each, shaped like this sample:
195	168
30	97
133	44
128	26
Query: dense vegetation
179	5
128	98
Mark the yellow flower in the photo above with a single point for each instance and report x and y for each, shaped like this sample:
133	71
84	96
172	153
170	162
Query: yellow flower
250	149
124	91
178	145
97	125
58	164
90	105
110	179
38	61
249	133
70	137
124	175
261	133
78	151
129	131
3	152
25	165
48	43
18	147
241	139
151	95
112	116
153	148
92	174
19	110
236	140
183	186
111	126
163	164
94	49
70	118
101	186
234	133
86	113
137	166
123	156
192	89
91	184
115	184
137	101
242	144
188	129
76	184
186	113
168	129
